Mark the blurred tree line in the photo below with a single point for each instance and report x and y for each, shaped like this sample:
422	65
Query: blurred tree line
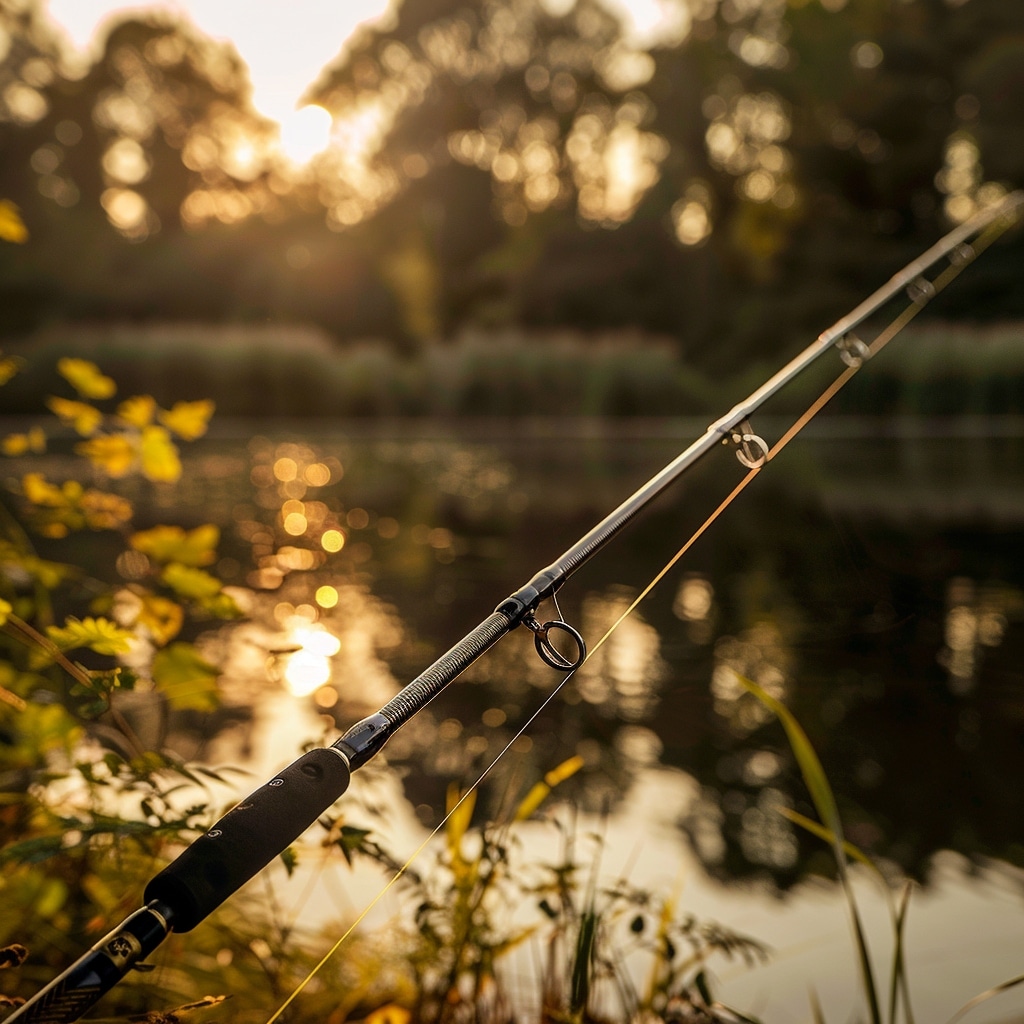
735	183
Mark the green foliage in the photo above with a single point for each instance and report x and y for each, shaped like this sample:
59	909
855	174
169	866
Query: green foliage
82	802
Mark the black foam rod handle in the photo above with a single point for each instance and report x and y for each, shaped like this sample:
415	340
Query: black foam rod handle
249	837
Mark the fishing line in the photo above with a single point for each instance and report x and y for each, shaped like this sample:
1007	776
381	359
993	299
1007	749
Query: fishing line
856	356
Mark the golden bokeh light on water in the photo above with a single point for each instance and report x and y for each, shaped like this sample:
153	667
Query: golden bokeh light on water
309	667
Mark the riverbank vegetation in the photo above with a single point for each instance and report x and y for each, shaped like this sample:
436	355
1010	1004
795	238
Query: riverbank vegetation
938	368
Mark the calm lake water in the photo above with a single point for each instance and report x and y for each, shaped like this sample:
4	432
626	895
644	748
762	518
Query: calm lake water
872	577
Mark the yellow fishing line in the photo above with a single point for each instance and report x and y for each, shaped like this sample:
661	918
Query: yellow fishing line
883	338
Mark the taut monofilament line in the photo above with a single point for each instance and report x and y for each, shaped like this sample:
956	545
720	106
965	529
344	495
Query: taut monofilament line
263	825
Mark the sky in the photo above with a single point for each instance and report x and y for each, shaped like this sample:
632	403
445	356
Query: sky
314	31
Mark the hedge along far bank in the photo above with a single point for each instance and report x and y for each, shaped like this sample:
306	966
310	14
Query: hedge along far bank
298	371
944	369
293	371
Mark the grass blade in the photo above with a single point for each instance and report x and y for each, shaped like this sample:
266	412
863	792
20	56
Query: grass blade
539	793
819	830
581	968
984	997
817	1013
825	804
898	984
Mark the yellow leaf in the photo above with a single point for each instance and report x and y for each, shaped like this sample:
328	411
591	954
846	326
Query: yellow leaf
460	813
12	227
186	679
84	418
40	491
115	454
5	609
539	792
104	511
392	1013
190	583
160	461
9	366
172	544
86	378
566	770
137	411
188	419
73	507
161	616
20	444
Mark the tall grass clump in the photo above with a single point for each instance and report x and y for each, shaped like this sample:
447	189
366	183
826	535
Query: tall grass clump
495	934
888	1004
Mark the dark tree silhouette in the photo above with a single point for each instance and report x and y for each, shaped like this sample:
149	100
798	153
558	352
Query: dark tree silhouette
735	187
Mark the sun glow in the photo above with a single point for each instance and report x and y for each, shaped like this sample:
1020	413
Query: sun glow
285	47
305	133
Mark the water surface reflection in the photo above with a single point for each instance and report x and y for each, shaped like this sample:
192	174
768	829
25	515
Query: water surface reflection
870	578
871	583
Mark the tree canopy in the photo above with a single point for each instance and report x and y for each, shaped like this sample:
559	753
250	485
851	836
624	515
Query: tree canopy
734	182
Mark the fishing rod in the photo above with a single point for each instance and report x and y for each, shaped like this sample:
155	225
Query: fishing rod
264	824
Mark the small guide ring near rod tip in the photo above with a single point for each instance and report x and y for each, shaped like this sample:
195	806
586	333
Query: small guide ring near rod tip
751	450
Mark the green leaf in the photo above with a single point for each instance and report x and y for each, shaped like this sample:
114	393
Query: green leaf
810	766
165	544
222	605
290	859
186	679
34	850
99	635
191	583
351	840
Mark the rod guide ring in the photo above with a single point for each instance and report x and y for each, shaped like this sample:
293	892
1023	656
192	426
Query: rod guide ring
751	449
550	654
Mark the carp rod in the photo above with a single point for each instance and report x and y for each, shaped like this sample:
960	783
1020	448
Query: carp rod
258	829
